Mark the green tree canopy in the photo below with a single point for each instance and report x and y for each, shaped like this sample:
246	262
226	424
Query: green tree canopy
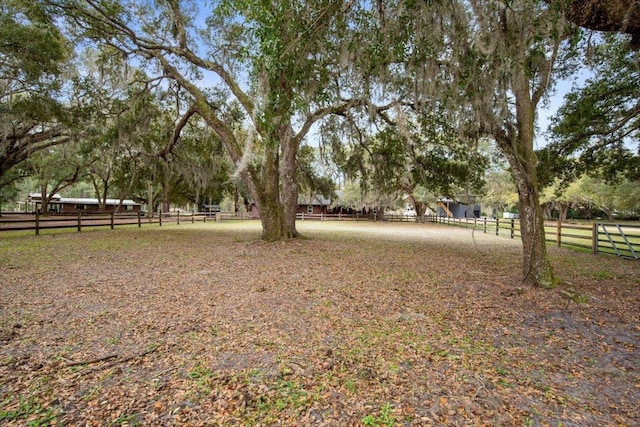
279	61
33	55
597	129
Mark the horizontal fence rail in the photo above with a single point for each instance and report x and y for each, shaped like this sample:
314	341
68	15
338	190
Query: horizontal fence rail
333	217
615	239
600	238
38	222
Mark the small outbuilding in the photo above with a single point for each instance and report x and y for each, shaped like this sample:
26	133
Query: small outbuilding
456	209
313	204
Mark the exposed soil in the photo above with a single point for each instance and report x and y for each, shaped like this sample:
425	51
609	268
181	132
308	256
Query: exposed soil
357	324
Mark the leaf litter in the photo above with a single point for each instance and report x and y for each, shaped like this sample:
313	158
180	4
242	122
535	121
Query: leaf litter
356	324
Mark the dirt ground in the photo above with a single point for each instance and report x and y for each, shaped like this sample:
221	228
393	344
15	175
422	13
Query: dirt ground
357	324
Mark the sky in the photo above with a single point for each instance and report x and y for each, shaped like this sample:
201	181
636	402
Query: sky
546	112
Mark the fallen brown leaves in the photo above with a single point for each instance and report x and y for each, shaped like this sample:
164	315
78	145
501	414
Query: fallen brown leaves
359	324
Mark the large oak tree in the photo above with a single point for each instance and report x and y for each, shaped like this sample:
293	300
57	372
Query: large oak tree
490	64
277	60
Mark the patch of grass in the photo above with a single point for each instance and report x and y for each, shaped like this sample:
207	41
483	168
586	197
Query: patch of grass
92	393
204	378
283	399
126	420
112	341
350	385
199	372
30	410
384	417
602	275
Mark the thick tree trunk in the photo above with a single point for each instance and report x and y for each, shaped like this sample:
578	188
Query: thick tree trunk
289	176
518	148
166	205
44	199
536	267
277	213
420	208
563	211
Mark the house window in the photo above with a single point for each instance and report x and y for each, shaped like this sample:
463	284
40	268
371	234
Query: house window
81	207
128	207
309	209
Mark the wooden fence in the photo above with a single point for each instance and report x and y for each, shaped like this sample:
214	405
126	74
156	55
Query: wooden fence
37	222
615	239
332	217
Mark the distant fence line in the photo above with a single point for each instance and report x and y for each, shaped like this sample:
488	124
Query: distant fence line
333	217
600	238
38	222
615	239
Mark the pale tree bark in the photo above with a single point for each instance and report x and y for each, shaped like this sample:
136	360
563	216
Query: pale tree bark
513	128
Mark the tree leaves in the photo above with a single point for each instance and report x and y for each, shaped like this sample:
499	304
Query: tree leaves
598	122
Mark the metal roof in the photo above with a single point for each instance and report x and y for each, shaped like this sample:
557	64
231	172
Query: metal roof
108	202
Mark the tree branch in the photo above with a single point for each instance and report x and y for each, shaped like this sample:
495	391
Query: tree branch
543	85
176	132
341	110
178	22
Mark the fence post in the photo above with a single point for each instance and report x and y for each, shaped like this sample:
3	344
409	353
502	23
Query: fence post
594	239
513	222
139	219
497	226
193	217
37	222
112	218
79	221
178	217
160	218
485	225
559	232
